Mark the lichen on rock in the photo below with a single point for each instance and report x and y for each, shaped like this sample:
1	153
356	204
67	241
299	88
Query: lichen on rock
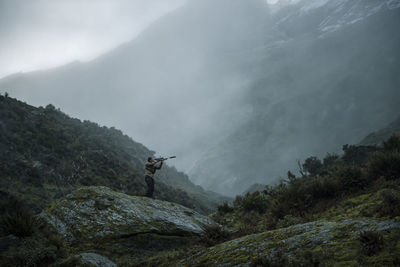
99	212
339	237
94	259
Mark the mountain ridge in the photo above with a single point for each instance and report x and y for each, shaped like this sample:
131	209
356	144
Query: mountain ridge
48	154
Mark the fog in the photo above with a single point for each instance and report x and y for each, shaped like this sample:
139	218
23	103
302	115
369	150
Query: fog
44	33
238	90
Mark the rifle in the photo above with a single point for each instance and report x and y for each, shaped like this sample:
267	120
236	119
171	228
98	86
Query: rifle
164	159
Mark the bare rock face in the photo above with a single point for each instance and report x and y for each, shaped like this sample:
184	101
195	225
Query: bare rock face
97	212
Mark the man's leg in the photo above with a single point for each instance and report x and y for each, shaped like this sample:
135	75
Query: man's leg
150	186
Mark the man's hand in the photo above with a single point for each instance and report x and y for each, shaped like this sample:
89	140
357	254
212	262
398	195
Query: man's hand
161	163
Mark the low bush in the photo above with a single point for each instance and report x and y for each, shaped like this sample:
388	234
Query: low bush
390	203
385	164
32	251
17	219
38	245
288	220
312	165
392	144
330	160
215	235
225	208
351	177
322	187
371	242
357	155
256	201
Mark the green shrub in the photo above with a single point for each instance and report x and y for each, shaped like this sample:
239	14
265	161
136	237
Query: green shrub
322	187
390	203
33	251
288	220
224	209
330	159
38	246
385	164
371	242
351	177
246	223
357	155
256	201
215	235
312	165
17	219
392	144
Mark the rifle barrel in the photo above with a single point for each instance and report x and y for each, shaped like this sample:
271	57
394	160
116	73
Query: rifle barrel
164	159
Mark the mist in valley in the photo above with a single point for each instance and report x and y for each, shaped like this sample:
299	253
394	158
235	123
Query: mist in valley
238	90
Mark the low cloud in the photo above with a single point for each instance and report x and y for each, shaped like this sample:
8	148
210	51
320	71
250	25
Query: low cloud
44	33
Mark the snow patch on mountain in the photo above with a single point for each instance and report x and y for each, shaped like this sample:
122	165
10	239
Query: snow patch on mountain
311	5
339	13
350	12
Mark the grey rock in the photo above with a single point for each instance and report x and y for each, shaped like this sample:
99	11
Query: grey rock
96	260
98	212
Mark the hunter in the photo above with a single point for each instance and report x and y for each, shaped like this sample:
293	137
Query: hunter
150	170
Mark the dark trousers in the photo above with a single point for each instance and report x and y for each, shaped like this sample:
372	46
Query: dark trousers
150	186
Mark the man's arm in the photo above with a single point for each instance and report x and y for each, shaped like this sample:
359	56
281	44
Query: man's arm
159	167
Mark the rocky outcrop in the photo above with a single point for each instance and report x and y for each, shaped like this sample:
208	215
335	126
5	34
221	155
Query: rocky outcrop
97	260
337	242
97	212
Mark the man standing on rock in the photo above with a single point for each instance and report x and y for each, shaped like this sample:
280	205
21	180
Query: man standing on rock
150	170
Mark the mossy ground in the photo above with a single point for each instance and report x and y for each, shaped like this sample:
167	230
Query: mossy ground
328	244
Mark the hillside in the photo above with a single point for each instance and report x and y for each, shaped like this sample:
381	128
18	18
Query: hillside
46	154
335	213
241	88
311	93
376	138
342	210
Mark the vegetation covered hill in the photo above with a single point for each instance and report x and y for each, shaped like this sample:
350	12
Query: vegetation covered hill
45	154
342	210
325	184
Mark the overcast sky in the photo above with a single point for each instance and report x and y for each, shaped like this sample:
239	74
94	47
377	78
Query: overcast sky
40	34
37	34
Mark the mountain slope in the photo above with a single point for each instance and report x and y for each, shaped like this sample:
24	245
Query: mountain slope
240	88
46	154
173	82
377	137
311	95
